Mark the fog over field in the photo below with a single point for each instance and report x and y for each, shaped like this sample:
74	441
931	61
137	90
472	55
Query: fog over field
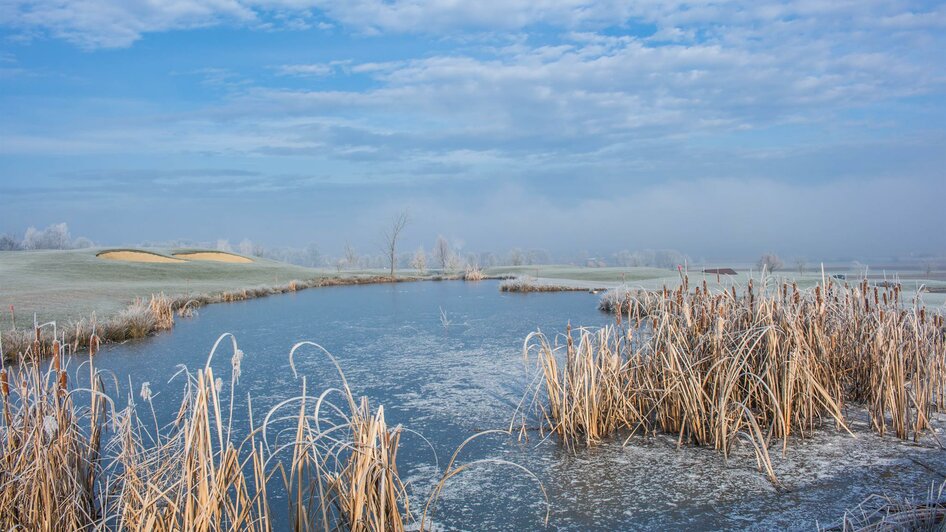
722	129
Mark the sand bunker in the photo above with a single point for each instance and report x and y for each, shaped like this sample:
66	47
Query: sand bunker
215	256
137	256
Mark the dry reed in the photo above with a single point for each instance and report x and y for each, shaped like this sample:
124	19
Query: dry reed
82	464
761	366
529	284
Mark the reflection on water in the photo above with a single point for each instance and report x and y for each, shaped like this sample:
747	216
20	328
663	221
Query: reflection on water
449	383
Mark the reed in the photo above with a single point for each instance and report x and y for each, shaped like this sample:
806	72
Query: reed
474	273
762	366
880	513
529	284
83	464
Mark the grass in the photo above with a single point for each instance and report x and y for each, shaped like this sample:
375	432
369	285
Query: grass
75	460
66	285
762	365
78	298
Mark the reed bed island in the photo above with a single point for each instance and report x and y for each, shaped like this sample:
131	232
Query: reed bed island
766	365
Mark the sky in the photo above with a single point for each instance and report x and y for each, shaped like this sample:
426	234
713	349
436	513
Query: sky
724	129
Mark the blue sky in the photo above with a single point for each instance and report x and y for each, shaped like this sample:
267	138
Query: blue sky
723	129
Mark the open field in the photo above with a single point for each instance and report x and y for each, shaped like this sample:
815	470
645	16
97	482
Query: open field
66	285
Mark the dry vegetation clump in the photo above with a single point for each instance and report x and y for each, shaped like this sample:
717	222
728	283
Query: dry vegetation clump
625	300
474	273
74	461
879	513
530	284
716	367
50	451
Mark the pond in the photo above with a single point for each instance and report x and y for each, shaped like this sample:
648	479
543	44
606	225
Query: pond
448	382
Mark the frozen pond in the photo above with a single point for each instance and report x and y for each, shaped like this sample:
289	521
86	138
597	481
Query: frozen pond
449	383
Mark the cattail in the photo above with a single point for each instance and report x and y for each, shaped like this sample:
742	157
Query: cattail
93	344
4	383
876	300
63	381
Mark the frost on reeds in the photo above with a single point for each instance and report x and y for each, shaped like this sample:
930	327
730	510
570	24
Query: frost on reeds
530	284
762	366
74	460
879	513
50	450
474	273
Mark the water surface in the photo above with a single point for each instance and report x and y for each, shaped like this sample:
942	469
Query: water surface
450	382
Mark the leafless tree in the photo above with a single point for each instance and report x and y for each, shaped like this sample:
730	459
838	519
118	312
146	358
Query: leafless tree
351	256
443	253
801	266
516	257
391	237
770	262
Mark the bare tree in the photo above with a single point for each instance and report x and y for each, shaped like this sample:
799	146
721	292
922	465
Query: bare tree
391	237
351	256
516	257
8	243
801	266
443	253
770	262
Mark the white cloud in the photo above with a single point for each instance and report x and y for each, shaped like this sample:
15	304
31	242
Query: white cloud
310	70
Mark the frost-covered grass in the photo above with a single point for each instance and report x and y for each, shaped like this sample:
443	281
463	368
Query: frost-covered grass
64	285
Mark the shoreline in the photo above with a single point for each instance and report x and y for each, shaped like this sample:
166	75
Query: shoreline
142	318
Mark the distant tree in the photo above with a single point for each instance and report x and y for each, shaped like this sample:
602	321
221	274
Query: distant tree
538	256
801	266
419	260
770	262
9	243
313	257
351	256
454	263
224	245
442	252
928	268
246	247
55	236
82	243
391	237
516	257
